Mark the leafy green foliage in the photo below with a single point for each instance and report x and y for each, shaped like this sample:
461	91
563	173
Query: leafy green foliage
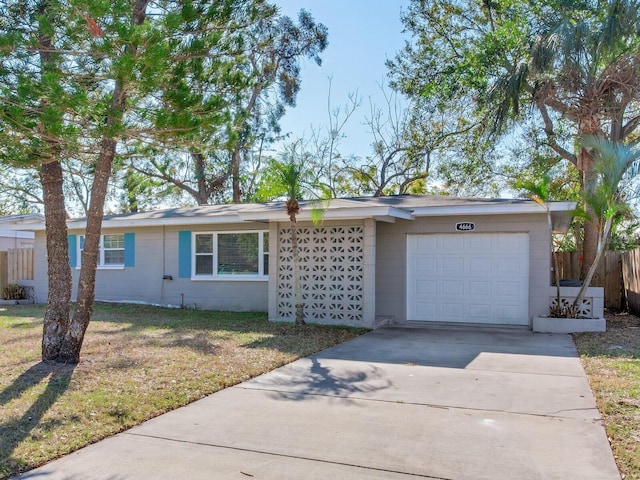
568	68
227	92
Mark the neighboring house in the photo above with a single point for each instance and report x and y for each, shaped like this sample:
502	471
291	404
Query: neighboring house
10	238
370	262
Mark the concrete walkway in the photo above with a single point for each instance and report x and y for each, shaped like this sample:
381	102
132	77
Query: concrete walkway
397	403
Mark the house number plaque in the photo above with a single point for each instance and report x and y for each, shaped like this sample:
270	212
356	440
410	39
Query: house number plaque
465	226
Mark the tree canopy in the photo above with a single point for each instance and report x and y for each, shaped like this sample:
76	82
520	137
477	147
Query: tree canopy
570	67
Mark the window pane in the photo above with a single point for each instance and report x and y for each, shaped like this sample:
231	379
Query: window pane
204	243
204	264
114	257
265	253
114	241
238	253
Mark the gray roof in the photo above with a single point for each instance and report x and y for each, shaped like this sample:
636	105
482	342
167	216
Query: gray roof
402	202
25	218
380	208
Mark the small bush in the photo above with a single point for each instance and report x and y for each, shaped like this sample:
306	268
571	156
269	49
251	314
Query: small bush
564	311
14	292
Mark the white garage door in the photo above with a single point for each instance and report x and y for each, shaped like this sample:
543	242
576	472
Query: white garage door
470	277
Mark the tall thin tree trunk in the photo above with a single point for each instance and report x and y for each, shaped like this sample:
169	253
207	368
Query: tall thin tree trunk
72	344
56	316
299	305
202	196
589	125
74	337
235	174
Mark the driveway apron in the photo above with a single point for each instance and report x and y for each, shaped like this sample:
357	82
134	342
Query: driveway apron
397	403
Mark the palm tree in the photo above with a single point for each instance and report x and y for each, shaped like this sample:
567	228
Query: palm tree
614	164
291	177
575	63
582	69
291	174
539	193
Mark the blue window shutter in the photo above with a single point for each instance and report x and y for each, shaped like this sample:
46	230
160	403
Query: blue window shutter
73	250
129	249
184	254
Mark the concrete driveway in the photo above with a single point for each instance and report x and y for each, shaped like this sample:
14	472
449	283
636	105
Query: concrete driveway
397	403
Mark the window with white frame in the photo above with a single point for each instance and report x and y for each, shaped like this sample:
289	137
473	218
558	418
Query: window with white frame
226	254
111	250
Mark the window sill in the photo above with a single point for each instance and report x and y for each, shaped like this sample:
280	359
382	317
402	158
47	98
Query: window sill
232	278
106	267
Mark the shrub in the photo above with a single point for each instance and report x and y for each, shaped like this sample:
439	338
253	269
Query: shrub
13	292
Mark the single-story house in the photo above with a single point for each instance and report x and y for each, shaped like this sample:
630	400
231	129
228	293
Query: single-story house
10	238
407	258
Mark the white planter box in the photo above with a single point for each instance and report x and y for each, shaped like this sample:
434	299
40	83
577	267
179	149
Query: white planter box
568	325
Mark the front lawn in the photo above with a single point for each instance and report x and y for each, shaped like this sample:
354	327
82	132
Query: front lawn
137	362
612	363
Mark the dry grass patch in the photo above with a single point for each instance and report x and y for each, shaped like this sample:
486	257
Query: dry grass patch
138	362
612	363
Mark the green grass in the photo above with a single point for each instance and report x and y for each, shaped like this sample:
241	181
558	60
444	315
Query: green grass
612	363
137	362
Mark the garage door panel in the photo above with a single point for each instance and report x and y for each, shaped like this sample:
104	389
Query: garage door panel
428	309
453	266
451	310
479	242
450	244
478	312
508	289
426	265
479	287
426	243
426	287
452	287
479	265
480	278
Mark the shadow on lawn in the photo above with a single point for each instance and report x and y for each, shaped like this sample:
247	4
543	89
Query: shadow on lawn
199	330
14	431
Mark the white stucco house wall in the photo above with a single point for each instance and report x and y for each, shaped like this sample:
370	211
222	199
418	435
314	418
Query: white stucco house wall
372	261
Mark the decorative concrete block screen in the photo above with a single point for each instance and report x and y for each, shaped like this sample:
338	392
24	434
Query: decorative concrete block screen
592	305
331	262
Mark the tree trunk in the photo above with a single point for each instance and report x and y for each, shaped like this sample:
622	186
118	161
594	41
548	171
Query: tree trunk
589	125
202	196
589	245
72	344
56	316
297	288
235	174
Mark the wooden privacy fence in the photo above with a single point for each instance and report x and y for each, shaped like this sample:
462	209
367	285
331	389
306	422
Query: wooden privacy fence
16	265
631	276
608	275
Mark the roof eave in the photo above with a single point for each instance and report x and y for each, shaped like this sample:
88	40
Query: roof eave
492	209
331	214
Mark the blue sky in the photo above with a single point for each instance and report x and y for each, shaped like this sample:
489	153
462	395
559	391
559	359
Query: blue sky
362	35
